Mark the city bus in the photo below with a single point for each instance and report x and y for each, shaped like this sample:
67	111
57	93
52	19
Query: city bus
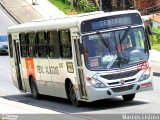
83	58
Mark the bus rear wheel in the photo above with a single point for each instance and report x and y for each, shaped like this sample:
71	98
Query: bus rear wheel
129	97
72	96
34	89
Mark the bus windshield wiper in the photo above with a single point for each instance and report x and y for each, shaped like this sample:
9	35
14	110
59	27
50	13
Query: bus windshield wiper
103	41
124	35
123	55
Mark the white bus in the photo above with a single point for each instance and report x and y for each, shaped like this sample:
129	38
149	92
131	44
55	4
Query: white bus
84	57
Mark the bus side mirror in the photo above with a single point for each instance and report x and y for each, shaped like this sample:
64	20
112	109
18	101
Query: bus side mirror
81	48
149	31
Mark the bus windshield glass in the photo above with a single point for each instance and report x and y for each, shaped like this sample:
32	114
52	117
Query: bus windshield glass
115	49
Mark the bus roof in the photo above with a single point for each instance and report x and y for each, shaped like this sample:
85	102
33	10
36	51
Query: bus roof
63	22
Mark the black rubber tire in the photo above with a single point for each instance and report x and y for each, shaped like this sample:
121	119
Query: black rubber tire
129	97
34	89
73	97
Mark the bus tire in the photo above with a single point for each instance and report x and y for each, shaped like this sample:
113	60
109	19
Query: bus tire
34	89
72	96
129	97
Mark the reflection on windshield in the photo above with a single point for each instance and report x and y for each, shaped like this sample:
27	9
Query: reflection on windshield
118	53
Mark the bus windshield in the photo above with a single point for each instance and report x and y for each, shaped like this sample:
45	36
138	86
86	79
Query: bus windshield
115	49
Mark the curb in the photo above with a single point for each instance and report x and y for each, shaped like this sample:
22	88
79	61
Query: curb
16	19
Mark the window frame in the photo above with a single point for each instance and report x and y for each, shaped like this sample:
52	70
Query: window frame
22	45
54	43
29	44
39	44
10	42
65	43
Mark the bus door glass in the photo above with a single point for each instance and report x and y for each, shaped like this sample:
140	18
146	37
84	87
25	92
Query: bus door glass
81	80
17	63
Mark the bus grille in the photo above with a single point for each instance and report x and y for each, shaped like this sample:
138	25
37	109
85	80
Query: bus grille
124	88
120	75
114	83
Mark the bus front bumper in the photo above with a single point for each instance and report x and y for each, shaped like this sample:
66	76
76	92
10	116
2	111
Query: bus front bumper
108	92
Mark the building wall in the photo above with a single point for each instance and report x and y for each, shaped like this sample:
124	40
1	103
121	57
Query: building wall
157	2
122	4
143	4
112	5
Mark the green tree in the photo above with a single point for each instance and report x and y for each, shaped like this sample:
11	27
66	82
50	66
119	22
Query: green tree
155	38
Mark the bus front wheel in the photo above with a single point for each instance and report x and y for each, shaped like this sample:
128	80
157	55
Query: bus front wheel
72	96
34	89
129	97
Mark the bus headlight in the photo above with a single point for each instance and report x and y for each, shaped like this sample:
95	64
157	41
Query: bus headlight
97	84
145	74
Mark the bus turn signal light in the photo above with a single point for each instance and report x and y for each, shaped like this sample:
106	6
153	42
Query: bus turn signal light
88	78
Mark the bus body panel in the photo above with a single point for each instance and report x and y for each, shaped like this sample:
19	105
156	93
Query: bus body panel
44	82
59	75
14	75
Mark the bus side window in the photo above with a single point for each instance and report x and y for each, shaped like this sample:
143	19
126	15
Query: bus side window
31	38
10	45
53	44
23	44
42	44
66	49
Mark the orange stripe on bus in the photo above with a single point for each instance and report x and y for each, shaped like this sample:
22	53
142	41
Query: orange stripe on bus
30	67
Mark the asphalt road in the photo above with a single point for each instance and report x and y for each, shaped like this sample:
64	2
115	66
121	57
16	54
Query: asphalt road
6	86
5	21
145	102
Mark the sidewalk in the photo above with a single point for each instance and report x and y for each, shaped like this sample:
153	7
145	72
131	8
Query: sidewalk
24	11
11	110
12	107
46	9
155	55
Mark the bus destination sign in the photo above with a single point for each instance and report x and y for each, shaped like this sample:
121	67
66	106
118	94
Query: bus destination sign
110	22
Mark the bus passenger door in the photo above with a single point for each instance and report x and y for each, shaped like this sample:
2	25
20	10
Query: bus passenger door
17	64
80	71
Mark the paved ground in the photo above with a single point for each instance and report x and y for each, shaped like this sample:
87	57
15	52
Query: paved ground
24	11
155	55
155	58
5	22
12	107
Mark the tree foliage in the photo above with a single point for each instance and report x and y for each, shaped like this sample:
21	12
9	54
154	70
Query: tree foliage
155	38
81	5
